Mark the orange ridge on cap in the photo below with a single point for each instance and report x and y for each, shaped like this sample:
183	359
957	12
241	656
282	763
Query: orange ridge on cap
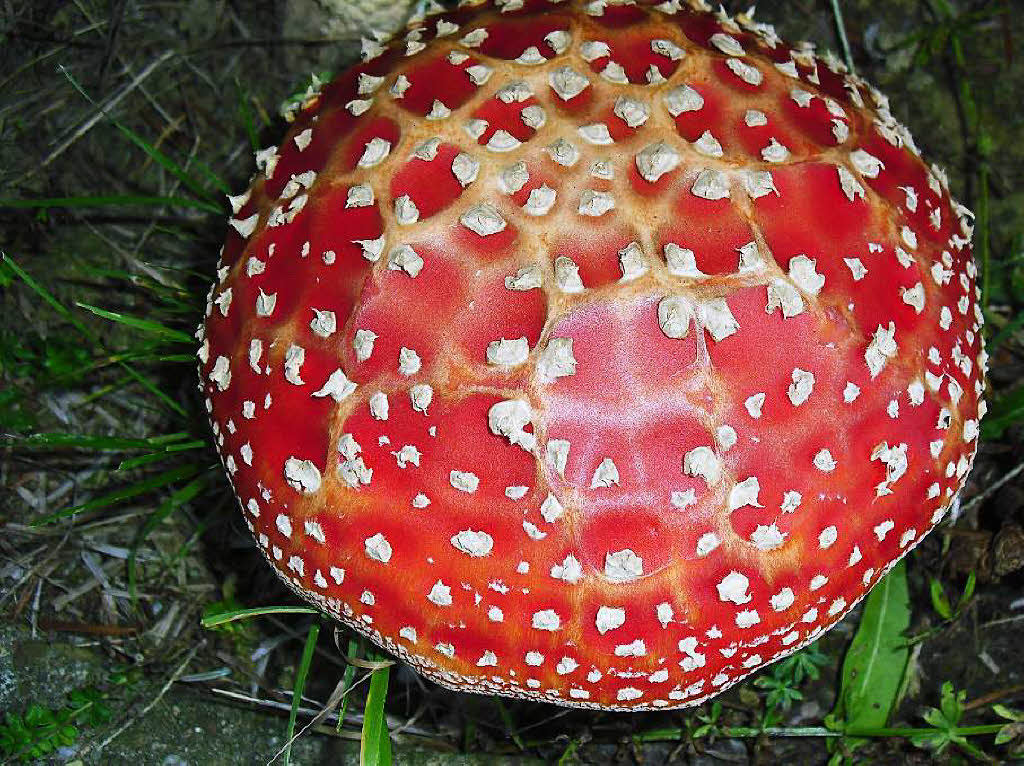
590	352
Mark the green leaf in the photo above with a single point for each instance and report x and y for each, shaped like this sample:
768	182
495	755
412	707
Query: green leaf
877	658
936	718
37	715
1008	713
952	703
97	714
965	597
930	740
375	743
301	673
944	720
1009	733
940	601
40	730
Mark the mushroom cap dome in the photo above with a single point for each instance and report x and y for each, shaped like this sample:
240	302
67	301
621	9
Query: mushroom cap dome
593	353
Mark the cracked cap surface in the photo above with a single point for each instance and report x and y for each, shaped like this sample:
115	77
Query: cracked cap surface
593	353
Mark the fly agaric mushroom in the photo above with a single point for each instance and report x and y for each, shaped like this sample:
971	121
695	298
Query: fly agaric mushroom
594	353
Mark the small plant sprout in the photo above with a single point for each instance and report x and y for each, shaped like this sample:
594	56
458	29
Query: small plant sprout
40	731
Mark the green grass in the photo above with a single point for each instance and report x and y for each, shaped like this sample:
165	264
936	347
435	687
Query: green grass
300	683
375	743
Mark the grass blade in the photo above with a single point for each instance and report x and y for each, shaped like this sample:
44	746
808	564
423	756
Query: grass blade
146	325
1004	412
300	683
151	151
81	441
215	179
167	163
61	309
877	658
110	199
375	744
844	41
154	457
175	501
1006	332
511	729
245	114
43	293
146	485
346	680
213	620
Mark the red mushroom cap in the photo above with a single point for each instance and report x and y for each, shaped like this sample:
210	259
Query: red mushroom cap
593	353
